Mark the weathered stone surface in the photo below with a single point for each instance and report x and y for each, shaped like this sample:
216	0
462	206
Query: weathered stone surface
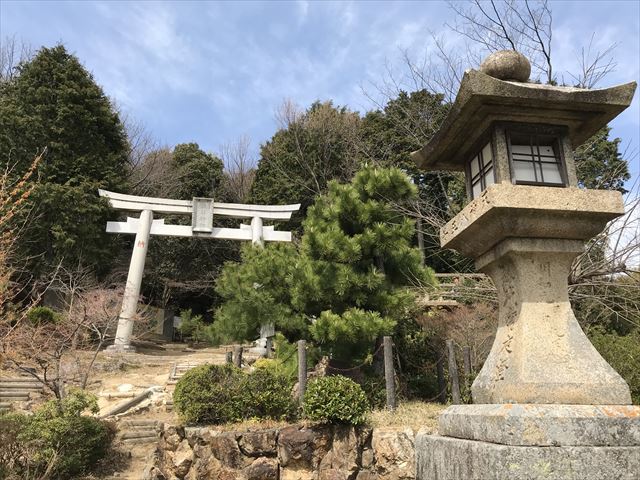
526	238
182	459
367	475
153	473
443	458
367	458
505	211
544	425
507	65
259	443
172	437
303	448
341	462
263	468
483	100
225	448
297	474
394	453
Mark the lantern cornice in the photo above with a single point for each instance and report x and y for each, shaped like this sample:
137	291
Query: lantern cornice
484	100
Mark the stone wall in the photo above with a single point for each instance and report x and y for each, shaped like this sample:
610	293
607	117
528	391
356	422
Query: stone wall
295	452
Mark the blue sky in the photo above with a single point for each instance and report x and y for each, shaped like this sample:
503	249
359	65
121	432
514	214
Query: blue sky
212	72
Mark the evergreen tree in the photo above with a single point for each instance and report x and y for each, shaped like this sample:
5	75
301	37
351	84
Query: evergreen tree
312	148
599	163
357	260
179	270
348	283
54	102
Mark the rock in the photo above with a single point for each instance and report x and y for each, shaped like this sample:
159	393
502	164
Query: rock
367	458
182	459
172	437
394	453
303	448
225	448
153	473
262	468
341	462
367	475
507	65
296	474
259	444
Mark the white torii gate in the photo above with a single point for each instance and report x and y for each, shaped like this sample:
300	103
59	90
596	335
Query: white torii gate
202	211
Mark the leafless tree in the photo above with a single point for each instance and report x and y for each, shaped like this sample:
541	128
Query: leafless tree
239	170
317	135
13	52
594	65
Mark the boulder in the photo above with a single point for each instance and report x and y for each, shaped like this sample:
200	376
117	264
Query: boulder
260	443
225	448
262	468
182	459
301	448
394	453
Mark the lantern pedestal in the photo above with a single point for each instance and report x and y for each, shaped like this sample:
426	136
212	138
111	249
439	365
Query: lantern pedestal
547	405
540	353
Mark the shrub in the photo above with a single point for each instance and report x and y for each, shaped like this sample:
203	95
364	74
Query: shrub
335	399
56	436
43	316
267	394
217	394
623	354
192	326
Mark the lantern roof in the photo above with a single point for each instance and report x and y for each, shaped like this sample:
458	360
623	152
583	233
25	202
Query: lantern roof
483	100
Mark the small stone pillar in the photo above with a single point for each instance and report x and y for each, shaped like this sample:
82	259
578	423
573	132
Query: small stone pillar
546	404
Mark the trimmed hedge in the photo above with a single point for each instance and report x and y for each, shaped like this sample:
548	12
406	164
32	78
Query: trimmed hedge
215	394
335	399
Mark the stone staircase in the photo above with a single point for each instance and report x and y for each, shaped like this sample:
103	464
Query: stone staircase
139	432
17	389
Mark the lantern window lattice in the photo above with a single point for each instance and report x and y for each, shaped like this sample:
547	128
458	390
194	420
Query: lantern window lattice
480	170
535	160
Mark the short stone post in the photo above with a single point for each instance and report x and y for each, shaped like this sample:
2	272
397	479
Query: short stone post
302	369
453	374
237	356
229	357
389	373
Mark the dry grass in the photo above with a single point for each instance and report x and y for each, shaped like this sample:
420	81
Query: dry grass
414	415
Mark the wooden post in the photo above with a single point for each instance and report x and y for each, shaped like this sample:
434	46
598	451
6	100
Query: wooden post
389	374
302	369
453	374
229	357
237	356
442	384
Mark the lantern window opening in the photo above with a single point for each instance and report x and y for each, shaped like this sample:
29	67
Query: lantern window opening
536	159
480	171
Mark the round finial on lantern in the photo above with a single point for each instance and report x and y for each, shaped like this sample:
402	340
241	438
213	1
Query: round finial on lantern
507	65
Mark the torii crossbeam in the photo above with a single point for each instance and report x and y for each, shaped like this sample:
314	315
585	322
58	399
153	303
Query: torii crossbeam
202	211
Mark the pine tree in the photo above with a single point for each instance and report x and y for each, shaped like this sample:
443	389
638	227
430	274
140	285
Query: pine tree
357	261
348	282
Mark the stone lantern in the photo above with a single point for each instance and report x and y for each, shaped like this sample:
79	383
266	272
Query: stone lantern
545	401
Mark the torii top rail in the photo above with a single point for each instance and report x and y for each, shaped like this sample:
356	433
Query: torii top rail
202	211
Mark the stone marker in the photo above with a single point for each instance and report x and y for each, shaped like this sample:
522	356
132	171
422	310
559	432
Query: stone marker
547	404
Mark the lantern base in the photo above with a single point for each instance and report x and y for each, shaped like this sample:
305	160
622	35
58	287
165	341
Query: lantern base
446	458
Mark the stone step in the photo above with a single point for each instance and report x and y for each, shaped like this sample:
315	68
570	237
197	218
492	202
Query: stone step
140	441
5	406
14	393
18	384
129	435
141	421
